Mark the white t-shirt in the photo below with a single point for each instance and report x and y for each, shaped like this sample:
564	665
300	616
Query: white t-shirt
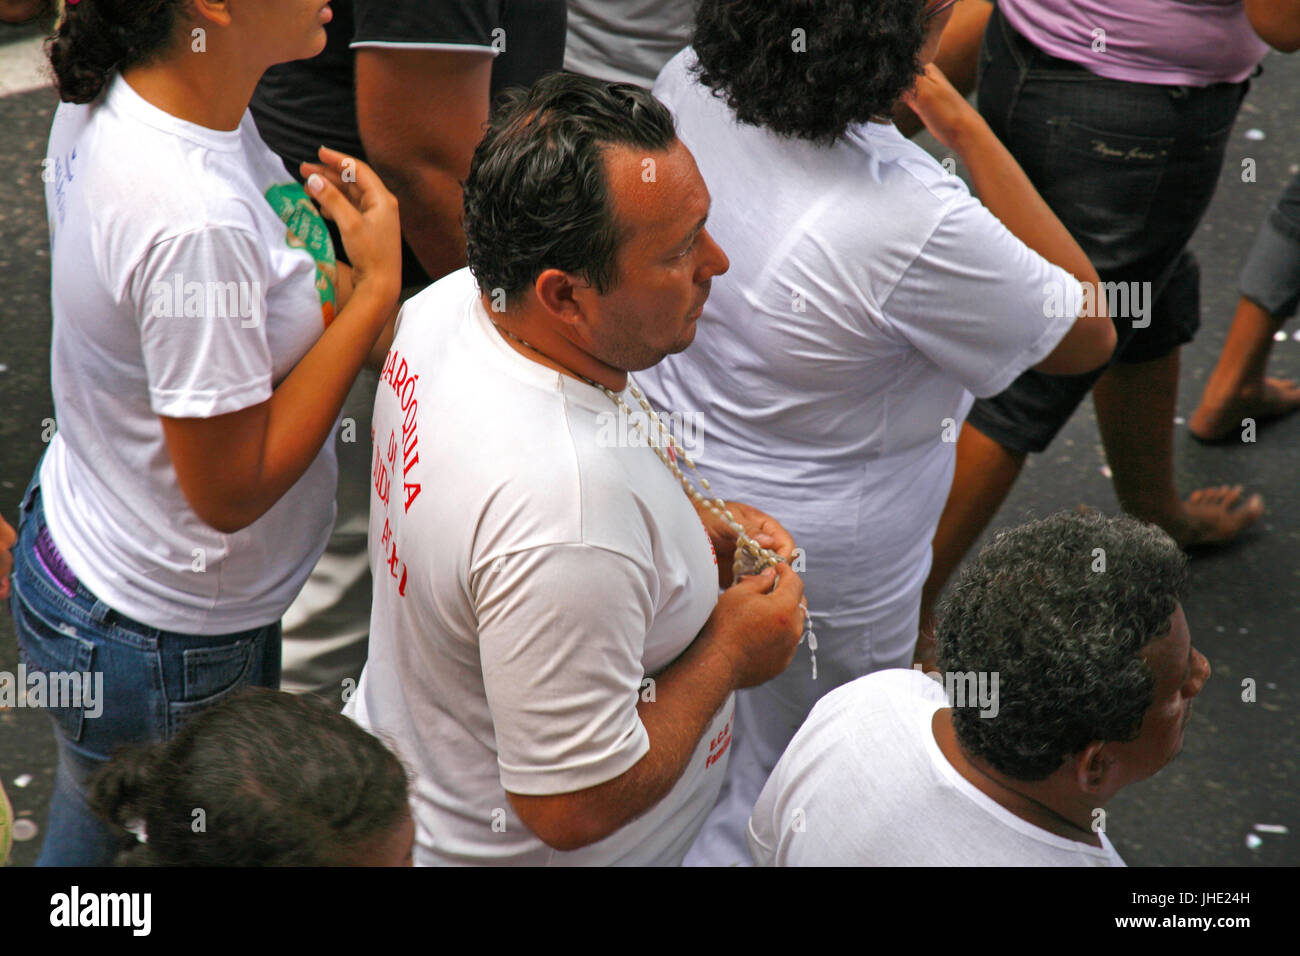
864	783
869	295
528	577
185	284
626	41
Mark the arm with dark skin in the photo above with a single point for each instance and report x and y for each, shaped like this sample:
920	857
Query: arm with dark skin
958	57
8	538
1277	22
1008	194
421	114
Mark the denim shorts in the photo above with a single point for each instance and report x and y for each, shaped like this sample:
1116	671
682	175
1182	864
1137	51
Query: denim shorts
1129	169
152	680
1271	276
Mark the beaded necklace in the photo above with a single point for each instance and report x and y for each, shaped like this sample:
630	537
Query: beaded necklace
751	557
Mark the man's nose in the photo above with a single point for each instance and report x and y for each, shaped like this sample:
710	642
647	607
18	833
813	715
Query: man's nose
715	263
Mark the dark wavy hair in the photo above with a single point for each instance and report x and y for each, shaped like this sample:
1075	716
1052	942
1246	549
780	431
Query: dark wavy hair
96	37
852	61
1063	635
537	196
282	780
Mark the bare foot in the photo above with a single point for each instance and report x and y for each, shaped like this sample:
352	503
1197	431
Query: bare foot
1215	516
1217	421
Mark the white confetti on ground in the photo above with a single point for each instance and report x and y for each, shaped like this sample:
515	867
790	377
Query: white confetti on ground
1254	135
1271	828
1105	470
1179	420
1253	841
1279	336
3	367
24	830
22	780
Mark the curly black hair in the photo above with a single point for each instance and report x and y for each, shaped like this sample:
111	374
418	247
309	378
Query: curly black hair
96	37
809	68
1060	609
282	780
537	196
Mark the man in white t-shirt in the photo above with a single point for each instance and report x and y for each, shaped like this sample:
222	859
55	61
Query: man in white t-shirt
1067	674
549	652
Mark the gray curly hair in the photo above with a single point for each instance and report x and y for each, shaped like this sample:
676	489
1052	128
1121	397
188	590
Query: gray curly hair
1060	609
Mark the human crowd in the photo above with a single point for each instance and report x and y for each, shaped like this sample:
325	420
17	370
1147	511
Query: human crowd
597	404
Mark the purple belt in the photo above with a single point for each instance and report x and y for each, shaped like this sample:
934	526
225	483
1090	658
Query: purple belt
54	564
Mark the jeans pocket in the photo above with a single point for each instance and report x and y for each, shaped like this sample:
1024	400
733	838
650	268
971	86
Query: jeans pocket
211	674
1215	143
1104	182
58	662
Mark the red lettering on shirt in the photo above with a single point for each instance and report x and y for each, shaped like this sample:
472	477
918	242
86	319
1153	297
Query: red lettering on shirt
381	478
718	745
412	492
717	755
392	450
402	377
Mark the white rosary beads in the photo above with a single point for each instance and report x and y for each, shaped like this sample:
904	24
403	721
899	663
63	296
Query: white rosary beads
750	557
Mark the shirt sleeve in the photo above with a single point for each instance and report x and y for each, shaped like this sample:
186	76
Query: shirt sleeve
981	304
419	24
200	298
561	633
758	832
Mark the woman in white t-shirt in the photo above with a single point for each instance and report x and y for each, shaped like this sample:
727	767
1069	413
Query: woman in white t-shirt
204	341
869	296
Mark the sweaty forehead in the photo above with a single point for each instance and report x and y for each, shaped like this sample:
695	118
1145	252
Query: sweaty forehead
656	190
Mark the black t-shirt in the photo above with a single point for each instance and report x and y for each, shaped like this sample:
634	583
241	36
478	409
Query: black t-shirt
302	105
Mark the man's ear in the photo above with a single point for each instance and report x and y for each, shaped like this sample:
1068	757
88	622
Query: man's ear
213	11
1094	768
564	297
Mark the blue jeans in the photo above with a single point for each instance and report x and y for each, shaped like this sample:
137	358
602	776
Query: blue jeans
153	681
1129	169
